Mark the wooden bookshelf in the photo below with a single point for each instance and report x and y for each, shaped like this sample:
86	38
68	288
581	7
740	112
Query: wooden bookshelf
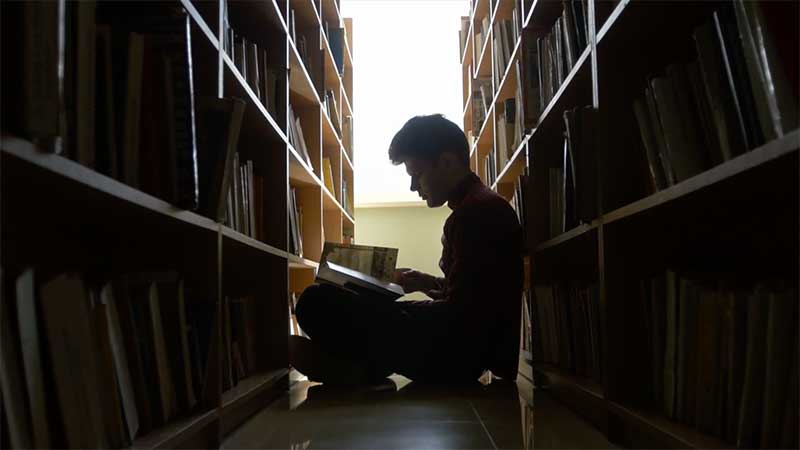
736	219
59	215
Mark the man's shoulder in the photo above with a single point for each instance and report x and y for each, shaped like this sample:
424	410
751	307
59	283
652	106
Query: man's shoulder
483	204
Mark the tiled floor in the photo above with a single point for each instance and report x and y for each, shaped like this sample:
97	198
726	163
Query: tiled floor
403	415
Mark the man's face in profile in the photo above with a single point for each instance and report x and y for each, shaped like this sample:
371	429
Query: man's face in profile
427	180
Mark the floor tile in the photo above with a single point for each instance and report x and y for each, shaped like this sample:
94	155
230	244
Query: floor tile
418	434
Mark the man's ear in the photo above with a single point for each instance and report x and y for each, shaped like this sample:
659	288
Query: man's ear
448	160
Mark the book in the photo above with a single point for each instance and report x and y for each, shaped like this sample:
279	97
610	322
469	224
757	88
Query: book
327	176
28	325
70	340
12	380
357	282
650	144
173	313
219	121
751	406
336	42
123	375
686	369
781	334
107	157
671	345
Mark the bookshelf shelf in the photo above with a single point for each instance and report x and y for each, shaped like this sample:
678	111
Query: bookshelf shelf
466	57
297	262
251	387
575	90
22	160
587	385
509	81
661	432
483	65
348	163
516	164
177	432
259	247
255	111
63	217
299	80
566	237
773	160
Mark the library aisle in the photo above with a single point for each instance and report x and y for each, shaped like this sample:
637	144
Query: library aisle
404	415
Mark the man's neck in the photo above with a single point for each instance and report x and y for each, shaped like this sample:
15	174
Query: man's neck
459	189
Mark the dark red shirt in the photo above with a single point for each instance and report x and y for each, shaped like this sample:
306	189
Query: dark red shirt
480	299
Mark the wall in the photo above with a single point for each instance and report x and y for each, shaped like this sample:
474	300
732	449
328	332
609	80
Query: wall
415	230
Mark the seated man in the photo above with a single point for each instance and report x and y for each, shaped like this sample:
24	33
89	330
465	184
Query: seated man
473	322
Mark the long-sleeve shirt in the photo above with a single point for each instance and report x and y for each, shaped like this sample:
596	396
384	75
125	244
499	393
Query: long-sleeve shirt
480	299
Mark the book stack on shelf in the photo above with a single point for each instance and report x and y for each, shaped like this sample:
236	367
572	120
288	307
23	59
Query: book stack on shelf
152	182
116	359
654	132
719	357
567	316
526	332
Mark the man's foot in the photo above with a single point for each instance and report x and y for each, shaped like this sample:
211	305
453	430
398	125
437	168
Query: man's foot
323	367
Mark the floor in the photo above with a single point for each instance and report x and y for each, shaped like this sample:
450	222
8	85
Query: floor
402	415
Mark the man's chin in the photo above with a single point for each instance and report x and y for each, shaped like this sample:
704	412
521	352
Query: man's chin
433	203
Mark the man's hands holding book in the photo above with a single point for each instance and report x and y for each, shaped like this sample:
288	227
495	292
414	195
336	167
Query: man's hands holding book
413	281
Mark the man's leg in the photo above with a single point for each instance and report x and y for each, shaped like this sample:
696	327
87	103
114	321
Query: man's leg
350	334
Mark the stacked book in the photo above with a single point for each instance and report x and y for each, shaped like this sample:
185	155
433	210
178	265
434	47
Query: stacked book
482	97
332	110
734	97
519	201
347	135
527	329
240	340
301	43
724	357
264	79
481	35
87	365
463	34
558	51
295	224
245	206
572	187
510	127
335	36
505	36
296	137
567	317
490	168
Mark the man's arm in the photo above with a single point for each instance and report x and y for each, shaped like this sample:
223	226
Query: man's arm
415	281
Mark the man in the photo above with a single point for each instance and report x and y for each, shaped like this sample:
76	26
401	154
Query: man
472	323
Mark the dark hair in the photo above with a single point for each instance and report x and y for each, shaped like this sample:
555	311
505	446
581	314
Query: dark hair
427	137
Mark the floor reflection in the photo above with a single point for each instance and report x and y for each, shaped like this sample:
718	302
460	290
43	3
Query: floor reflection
400	414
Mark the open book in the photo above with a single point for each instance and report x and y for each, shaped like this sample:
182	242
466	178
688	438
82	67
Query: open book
360	269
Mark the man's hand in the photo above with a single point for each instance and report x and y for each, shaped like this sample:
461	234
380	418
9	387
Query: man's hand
413	280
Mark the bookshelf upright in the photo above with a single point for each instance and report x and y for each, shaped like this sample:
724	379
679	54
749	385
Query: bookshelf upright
663	281
77	214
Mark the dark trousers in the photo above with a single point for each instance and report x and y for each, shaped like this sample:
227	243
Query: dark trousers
408	338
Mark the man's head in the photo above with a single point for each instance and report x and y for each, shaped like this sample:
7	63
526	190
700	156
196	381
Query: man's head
436	155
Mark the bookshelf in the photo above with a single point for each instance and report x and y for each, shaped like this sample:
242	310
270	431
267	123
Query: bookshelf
730	224
62	215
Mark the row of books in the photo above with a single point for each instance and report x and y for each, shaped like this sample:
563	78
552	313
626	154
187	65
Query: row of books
527	328
481	34
245	205
519	201
295	224
490	169
264	79
240	340
88	365
463	34
510	128
567	319
735	97
294	131
572	187
301	42
335	36
327	176
332	110
724	358
128	77
555	54
506	33
482	97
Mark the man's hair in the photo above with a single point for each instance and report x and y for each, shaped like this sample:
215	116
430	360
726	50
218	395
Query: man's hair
427	137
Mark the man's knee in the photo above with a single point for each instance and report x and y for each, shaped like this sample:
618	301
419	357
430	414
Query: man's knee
308	307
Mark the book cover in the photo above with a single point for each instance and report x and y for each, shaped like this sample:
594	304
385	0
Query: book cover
357	282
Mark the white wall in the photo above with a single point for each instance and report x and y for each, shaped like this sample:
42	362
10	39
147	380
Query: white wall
415	230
